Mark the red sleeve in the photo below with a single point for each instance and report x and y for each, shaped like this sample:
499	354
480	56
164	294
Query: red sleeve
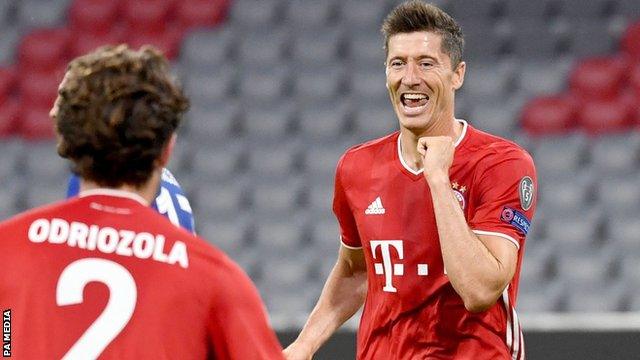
506	197
348	230
239	327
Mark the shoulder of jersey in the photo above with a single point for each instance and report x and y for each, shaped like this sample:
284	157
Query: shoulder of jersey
494	145
370	148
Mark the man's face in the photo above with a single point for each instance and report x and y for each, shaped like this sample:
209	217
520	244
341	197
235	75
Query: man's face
420	79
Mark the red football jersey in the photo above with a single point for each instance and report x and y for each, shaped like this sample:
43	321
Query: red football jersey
104	275
383	206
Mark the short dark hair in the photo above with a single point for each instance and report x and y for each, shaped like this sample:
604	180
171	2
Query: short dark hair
116	110
416	15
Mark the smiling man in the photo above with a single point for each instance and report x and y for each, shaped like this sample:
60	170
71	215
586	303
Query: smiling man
433	218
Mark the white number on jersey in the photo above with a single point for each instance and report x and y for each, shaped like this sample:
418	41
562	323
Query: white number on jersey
117	313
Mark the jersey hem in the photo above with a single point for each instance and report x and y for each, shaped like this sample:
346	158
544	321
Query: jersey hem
349	246
504	236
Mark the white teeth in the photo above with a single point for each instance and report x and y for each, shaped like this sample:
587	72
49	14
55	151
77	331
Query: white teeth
415	96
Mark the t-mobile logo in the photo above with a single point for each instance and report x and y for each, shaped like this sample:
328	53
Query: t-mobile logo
387	268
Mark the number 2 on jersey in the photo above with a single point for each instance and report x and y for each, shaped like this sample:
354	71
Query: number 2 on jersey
114	317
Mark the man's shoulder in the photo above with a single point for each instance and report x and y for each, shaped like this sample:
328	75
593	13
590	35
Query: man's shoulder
494	147
368	150
28	216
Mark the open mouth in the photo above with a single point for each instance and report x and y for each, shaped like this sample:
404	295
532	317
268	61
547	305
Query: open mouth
413	102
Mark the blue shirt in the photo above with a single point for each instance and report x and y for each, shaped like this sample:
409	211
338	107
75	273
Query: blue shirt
170	201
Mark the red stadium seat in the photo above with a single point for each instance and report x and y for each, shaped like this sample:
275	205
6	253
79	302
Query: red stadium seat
201	13
93	16
35	124
147	16
7	82
44	49
601	77
630	42
634	78
39	89
86	42
606	116
167	42
9	111
549	115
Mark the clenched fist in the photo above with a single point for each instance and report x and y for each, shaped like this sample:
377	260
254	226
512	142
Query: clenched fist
437	156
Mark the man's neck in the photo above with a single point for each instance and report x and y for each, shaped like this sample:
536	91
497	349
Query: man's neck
147	191
409	140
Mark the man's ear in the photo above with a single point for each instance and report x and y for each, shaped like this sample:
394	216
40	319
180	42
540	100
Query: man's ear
165	156
458	75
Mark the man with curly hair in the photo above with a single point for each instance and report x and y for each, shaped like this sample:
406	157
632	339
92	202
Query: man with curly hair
103	274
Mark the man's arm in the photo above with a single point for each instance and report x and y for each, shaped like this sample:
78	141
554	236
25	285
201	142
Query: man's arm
343	294
479	267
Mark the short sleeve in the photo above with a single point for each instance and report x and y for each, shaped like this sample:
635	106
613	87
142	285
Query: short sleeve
341	208
506	198
239	327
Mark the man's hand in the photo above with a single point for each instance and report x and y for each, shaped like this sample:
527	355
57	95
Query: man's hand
293	352
437	156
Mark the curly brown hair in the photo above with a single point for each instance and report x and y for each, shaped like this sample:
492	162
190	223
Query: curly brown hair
116	110
416	15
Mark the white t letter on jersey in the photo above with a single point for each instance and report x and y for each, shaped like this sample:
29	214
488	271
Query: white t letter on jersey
387	267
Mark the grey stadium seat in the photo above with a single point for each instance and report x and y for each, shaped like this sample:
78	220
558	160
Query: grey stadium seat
497	118
281	236
320	161
265	86
556	156
566	194
208	48
622	232
36	13
610	297
43	193
220	161
487	9
586	10
318	83
317	47
255	13
303	14
544	77
630	270
205	88
545	297
575	232
368	85
8	44
365	48
587	270
276	199
525	9
483	41
536	40
324	121
264	49
372	121
229	234
215	123
538	263
489	81
220	200
363	14
274	161
587	38
616	154
268	122
42	163
619	195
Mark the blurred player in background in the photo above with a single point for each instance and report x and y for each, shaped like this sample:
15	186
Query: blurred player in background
170	200
433	218
103	274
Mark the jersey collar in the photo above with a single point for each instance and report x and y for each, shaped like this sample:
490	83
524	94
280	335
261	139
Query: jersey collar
418	172
114	193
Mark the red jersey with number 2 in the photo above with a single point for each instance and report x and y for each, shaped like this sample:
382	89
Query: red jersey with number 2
104	275
384	207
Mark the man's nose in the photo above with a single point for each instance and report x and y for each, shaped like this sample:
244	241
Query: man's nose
410	77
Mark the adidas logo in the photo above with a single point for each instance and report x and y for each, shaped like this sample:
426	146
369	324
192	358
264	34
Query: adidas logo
375	208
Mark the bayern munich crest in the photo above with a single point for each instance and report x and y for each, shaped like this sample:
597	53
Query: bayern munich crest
458	190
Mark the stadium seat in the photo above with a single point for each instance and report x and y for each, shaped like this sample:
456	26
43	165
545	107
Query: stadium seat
219	161
365	48
35	124
147	16
549	115
368	86
547	297
309	14
588	38
619	195
7	83
280	235
275	198
362	14
201	13
207	88
323	120
524	9
213	124
585	10
320	203
39	89
206	49
93	16
536	40
256	14
276	161
622	233
611	298
566	193
9	117
616	154
372	122
8	44
270	122
318	84
630	272
538	264
605	116
487	82
44	50
560	156
265	86
312	47
43	162
485	43
542	78
85	42
219	203
263	50
496	119
228	234
630	42
38	14
575	232
488	10
598	77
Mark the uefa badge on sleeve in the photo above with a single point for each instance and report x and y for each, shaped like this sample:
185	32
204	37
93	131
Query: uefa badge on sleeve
526	192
